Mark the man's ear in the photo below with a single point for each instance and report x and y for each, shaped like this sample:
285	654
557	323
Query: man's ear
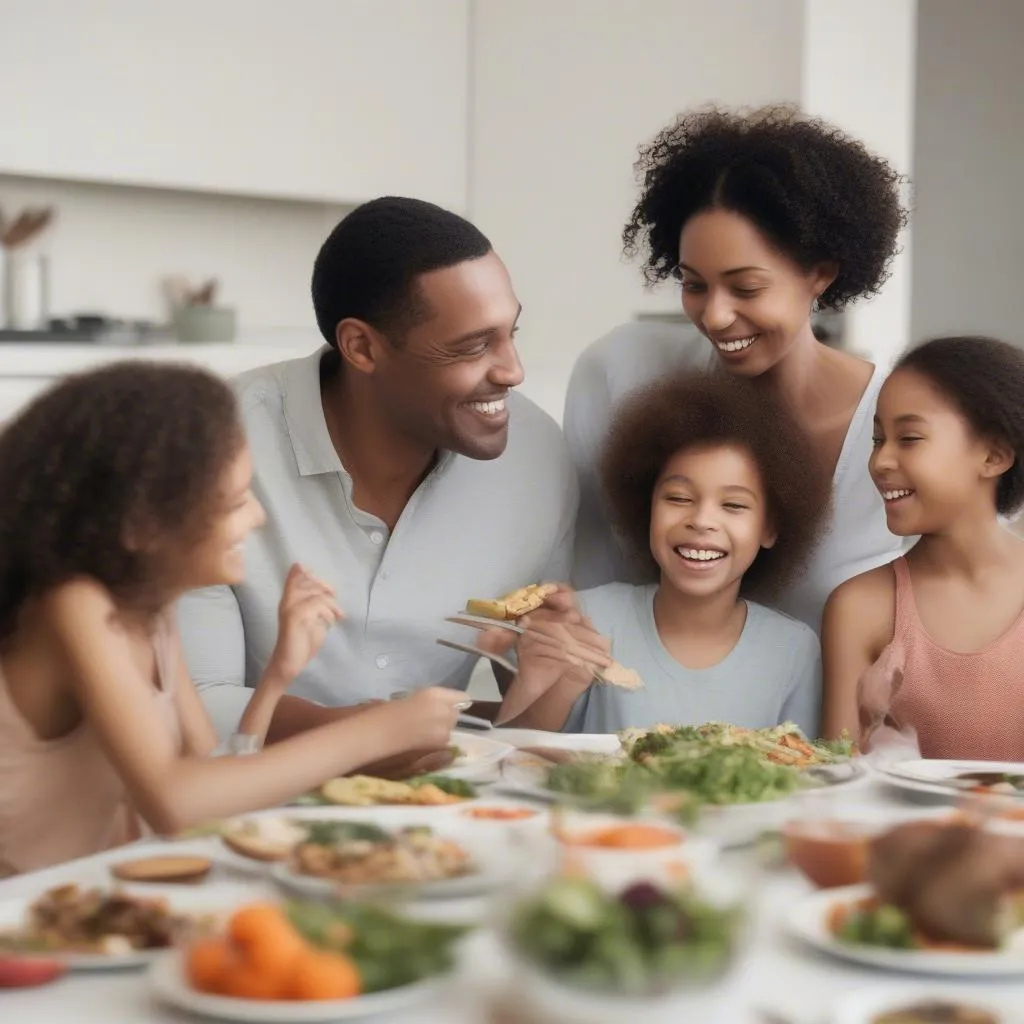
359	344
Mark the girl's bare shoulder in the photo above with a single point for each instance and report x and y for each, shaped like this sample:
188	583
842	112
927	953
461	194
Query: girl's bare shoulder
866	602
82	600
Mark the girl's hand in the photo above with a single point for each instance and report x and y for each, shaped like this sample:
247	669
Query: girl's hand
306	612
560	648
424	719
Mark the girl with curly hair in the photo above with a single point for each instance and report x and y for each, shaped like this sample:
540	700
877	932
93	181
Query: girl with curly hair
123	489
717	510
934	642
761	217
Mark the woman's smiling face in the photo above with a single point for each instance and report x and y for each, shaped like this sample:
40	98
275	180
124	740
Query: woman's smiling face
749	300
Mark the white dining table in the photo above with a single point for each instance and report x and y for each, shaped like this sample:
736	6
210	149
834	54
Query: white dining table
774	975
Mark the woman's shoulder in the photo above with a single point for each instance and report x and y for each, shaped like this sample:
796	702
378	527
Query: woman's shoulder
634	354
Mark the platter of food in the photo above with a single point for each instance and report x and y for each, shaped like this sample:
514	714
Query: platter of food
926	1005
958	778
458	858
942	898
733	779
308	962
90	929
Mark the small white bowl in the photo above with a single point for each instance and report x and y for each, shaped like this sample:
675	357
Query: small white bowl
617	867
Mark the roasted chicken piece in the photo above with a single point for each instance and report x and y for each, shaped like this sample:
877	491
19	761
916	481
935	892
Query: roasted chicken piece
957	883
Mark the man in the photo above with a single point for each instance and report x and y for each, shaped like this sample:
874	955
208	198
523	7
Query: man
397	464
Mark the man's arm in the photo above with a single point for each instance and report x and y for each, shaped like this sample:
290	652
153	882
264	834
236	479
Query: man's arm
213	641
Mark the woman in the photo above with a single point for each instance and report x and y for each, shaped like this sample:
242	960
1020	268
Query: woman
763	218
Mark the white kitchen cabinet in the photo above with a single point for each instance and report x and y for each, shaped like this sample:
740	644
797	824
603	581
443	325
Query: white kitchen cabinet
334	100
25	370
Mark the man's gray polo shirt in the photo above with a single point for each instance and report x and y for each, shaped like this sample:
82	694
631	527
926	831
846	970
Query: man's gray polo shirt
472	529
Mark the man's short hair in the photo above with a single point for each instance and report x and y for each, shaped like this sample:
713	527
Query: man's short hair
369	265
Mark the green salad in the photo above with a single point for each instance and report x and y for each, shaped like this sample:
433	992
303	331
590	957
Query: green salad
682	768
641	941
388	948
882	925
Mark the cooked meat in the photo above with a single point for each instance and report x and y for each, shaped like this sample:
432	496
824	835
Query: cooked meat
955	882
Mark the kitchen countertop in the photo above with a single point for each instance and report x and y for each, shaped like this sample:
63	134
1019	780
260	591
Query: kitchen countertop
52	359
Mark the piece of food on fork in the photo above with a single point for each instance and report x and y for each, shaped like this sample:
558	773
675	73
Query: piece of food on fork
513	605
504	613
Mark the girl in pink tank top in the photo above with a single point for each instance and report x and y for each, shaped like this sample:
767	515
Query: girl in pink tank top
932	645
120	490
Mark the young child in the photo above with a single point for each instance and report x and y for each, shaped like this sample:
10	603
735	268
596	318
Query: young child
934	641
122	489
721	496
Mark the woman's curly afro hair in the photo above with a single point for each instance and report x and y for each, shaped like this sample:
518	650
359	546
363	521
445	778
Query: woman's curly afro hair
132	448
692	410
815	193
984	380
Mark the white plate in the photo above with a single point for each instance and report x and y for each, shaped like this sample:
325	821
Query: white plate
199	901
591	742
924	775
729	824
487	843
479	755
808	921
168	982
863	1006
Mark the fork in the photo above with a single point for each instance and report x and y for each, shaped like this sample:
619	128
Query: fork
482	623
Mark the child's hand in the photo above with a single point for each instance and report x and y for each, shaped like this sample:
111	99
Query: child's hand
306	612
425	719
559	648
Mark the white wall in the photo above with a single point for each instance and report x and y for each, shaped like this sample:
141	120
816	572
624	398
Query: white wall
969	221
330	100
858	72
563	92
111	247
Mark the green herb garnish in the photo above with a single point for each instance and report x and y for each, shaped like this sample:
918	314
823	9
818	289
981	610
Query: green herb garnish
390	950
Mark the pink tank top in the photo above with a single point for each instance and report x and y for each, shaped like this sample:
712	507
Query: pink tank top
61	799
962	706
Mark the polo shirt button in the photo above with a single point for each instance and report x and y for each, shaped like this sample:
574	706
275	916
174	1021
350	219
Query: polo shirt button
382	660
377	537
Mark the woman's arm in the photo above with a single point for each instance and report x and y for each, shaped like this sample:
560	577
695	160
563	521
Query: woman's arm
173	791
856	626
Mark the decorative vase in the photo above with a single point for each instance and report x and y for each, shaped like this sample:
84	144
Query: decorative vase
205	324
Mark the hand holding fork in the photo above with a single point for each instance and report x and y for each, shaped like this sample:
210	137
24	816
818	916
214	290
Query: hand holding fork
556	646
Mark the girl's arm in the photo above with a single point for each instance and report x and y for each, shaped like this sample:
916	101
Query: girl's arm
856	626
174	791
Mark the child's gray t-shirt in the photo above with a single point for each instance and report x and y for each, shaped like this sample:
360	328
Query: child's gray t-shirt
772	675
